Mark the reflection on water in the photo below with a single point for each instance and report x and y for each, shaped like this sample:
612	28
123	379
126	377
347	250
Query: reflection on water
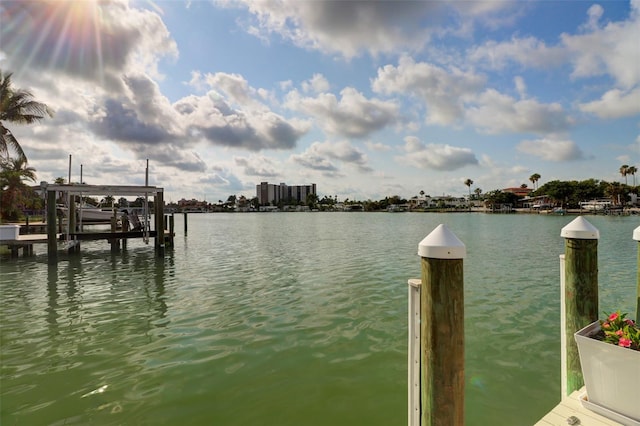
285	319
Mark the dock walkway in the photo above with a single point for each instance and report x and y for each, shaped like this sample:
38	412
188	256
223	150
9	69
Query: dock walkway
26	242
571	407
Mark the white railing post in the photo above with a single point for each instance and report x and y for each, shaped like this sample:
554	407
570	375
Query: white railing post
636	236
414	352
563	333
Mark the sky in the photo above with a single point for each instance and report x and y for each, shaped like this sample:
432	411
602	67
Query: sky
366	99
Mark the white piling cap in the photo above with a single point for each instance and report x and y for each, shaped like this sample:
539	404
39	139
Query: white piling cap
441	243
581	229
636	234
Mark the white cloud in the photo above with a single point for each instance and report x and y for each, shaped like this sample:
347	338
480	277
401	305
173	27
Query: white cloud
595	12
377	146
234	86
352	115
521	86
413	144
528	51
443	91
552	149
319	155
610	49
257	165
615	104
345	27
317	84
435	156
218	122
350	27
494	112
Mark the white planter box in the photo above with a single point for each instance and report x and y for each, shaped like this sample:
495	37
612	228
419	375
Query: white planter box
611	375
9	232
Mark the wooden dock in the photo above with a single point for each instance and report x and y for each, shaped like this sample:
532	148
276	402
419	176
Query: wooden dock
571	410
25	242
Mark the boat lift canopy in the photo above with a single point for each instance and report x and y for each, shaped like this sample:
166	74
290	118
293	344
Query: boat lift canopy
122	190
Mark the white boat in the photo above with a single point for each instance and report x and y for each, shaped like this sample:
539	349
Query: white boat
595	205
90	213
395	208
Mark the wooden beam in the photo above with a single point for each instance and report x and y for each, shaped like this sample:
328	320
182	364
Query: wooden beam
581	291
92	236
105	189
52	242
442	328
158	204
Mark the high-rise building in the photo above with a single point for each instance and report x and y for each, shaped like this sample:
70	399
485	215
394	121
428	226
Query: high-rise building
272	194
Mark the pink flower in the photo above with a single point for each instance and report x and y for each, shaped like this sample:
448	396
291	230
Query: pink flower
630	322
619	332
613	316
624	342
606	325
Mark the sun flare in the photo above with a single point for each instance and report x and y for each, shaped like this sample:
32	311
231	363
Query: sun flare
69	35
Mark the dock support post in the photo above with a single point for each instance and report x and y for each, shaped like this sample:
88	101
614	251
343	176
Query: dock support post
125	228
26	225
74	246
442	328
52	243
115	243
636	236
580	293
71	218
185	222
158	202
171	228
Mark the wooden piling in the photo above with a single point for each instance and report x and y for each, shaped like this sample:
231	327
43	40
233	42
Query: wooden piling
52	243
185	222
72	227
442	328
71	217
158	203
636	236
26	226
171	228
115	243
581	291
125	228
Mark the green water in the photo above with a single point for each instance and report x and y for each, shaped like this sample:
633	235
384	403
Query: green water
287	319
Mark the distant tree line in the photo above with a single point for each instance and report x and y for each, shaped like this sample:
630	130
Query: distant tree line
571	193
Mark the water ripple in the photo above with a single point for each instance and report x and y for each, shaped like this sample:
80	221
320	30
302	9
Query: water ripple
251	312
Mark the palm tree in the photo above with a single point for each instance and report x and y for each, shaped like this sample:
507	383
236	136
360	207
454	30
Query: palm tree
534	180
108	201
624	170
632	170
469	182
616	192
17	106
13	171
311	200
